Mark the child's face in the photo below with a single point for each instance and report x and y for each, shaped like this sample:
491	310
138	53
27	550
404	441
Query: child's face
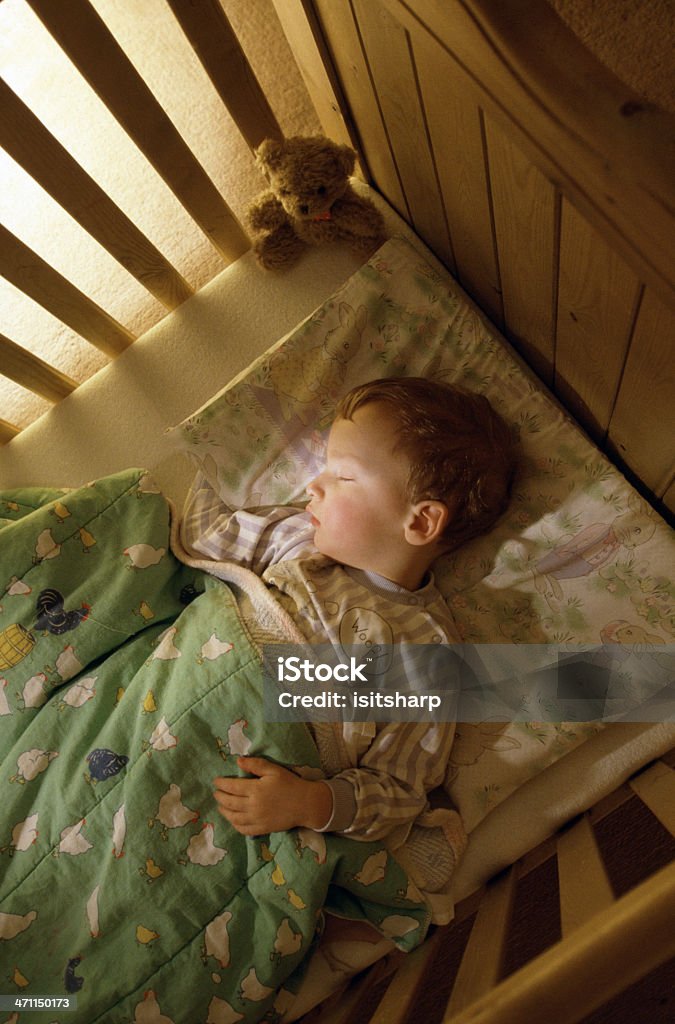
359	502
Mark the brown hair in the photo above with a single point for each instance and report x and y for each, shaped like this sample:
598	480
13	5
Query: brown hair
460	450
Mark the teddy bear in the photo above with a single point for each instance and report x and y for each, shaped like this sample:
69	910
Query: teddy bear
310	201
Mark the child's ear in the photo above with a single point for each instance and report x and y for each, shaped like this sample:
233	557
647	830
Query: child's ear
426	522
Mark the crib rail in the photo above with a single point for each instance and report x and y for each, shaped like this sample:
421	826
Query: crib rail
91	47
543	183
606	942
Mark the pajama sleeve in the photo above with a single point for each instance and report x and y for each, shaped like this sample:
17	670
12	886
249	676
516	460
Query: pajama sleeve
388	789
254	538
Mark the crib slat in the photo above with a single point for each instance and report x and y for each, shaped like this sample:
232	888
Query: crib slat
599	960
303	23
7	431
213	40
33	373
28	142
584	886
29	272
482	961
86	40
656	789
405	986
342	1006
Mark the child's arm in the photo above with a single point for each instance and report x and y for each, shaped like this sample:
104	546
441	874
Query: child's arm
255	538
387	790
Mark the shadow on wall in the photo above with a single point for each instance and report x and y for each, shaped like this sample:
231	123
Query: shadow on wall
34	67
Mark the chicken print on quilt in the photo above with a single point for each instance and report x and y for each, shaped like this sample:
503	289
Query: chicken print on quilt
127	683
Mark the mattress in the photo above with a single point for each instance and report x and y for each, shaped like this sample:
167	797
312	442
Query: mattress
578	558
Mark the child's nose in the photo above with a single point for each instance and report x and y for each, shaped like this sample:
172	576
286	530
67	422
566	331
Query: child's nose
314	487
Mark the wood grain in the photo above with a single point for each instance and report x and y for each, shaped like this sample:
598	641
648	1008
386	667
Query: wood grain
343	41
7	431
642	427
84	37
33	373
525	217
656	789
29	143
481	964
33	276
395	78
585	889
597	302
212	38
457	136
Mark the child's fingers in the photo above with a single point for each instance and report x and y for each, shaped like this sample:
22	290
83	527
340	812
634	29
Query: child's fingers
232	785
258	765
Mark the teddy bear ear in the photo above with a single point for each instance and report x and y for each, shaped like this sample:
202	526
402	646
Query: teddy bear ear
269	153
347	158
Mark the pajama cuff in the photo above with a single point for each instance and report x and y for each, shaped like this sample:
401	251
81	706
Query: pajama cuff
344	805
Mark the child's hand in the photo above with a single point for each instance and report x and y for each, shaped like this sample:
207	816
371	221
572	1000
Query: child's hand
274	802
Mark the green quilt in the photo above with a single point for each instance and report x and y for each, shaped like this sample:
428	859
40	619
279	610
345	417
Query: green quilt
127	683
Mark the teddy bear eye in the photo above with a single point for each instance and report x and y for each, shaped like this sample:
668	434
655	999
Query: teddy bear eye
321	191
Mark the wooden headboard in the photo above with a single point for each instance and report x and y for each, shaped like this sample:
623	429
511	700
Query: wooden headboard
542	183
540	180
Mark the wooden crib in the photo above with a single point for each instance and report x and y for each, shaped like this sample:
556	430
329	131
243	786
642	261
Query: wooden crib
541	181
580	929
545	185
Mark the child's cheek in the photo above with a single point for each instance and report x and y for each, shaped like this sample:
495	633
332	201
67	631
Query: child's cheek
348	515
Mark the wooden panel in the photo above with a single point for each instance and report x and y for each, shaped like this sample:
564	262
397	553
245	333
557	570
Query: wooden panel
29	272
305	38
585	889
656	788
642	427
525	214
33	373
607	149
213	40
600	959
85	39
46	160
394	74
457	136
482	961
597	302
338	24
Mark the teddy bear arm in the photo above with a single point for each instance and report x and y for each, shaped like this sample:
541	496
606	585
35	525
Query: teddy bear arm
279	248
266	213
358	217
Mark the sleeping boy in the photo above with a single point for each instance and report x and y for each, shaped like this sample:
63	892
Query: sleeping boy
414	468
